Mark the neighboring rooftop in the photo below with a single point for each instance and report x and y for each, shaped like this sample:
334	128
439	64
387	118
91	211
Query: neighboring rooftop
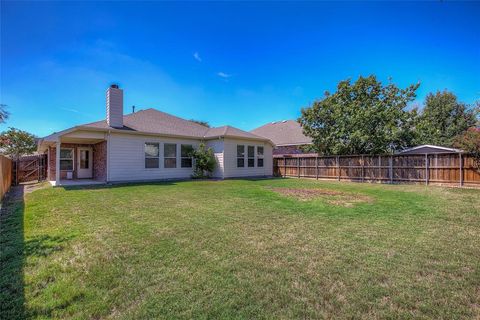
428	148
283	133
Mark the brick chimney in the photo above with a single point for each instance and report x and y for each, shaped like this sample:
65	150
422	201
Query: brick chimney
115	106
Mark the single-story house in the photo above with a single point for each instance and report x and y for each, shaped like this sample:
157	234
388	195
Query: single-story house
287	135
149	145
429	149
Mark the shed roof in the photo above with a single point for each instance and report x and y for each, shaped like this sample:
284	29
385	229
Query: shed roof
428	148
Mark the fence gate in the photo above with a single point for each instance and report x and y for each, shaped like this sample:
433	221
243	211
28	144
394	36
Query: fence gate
30	168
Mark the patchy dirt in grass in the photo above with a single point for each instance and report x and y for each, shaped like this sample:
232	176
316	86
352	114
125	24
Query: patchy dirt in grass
332	197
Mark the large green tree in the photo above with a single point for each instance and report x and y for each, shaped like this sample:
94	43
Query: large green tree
443	118
16	143
363	117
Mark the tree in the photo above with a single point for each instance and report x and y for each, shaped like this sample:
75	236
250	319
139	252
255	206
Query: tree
203	123
364	117
204	161
469	142
443	118
16	143
3	113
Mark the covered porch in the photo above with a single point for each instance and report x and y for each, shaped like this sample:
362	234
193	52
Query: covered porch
77	158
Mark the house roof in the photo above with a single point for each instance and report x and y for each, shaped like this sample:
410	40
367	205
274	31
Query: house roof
428	148
283	133
152	121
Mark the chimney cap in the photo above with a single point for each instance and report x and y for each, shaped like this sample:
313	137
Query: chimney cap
114	85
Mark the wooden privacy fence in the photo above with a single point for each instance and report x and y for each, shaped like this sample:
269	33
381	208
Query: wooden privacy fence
5	175
450	168
30	168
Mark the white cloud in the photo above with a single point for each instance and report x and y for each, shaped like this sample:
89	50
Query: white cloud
223	75
196	56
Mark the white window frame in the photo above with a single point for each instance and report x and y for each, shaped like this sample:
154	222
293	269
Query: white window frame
72	159
165	157
241	157
150	157
260	156
251	158
181	158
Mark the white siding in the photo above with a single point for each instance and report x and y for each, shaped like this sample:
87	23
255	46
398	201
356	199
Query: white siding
126	158
230	159
217	146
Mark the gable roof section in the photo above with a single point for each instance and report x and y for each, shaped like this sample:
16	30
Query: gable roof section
157	122
283	133
152	121
228	131
428	148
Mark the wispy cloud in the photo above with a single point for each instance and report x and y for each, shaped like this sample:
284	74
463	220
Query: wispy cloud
73	110
196	56
223	75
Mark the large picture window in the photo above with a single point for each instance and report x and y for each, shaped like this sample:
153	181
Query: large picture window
170	155
251	156
240	156
259	156
152	157
66	159
186	154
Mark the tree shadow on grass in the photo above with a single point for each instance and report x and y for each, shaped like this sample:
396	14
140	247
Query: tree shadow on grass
14	250
12	259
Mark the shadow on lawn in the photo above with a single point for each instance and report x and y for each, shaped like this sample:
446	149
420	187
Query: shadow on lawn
12	259
124	184
14	251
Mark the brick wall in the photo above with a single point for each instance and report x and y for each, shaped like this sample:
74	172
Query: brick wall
99	160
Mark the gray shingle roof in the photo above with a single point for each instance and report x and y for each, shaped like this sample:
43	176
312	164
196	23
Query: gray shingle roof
157	122
287	132
154	121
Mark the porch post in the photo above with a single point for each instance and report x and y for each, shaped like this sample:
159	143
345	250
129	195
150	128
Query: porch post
57	164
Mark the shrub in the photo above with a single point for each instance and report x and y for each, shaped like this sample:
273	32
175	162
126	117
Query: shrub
204	162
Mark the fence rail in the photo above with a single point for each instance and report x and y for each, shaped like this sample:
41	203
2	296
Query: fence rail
449	168
5	175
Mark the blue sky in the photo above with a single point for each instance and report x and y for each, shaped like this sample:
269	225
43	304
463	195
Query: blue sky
242	64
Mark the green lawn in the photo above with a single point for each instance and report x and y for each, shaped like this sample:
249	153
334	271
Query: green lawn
242	249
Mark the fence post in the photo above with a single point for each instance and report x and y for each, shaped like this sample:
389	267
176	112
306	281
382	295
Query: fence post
298	166
379	176
284	166
338	168
390	169
461	168
363	169
426	169
316	168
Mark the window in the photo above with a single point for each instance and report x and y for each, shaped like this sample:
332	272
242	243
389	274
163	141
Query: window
186	154
240	156
84	159
170	155
152	158
66	159
251	156
259	156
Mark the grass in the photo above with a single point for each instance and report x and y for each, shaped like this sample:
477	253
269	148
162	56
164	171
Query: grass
238	249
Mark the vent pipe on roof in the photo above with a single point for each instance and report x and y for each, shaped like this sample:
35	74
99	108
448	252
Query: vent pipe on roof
115	106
